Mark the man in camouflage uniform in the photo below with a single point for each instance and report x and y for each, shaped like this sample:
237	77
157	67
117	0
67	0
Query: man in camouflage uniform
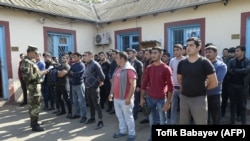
33	77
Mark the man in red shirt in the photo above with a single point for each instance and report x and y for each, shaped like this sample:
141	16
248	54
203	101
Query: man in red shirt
158	77
123	89
23	85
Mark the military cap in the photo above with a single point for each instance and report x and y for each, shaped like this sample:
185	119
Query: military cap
32	48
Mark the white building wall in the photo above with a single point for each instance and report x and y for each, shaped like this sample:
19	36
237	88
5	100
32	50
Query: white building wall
220	23
25	29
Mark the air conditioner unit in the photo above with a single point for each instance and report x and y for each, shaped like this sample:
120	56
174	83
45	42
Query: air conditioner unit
102	39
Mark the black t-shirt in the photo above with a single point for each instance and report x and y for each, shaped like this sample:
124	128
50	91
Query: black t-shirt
105	68
63	81
194	76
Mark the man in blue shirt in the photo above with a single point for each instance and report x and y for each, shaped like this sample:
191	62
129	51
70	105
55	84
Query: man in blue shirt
214	95
78	88
41	65
94	78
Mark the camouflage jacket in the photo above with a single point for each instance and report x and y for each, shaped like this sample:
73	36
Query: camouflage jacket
30	71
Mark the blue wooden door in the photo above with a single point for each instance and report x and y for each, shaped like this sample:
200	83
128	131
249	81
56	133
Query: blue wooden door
4	88
59	44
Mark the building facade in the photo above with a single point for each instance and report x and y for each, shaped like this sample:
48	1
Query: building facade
74	26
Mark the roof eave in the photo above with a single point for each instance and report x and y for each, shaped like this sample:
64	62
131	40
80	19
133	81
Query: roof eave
157	12
49	13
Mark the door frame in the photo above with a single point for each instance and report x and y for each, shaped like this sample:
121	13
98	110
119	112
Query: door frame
5	56
47	30
245	32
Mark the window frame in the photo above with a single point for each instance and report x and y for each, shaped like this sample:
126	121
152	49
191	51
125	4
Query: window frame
169	25
132	31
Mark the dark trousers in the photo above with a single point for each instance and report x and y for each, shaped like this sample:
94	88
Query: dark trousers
62	92
104	93
224	98
45	94
70	93
52	96
136	104
24	89
238	96
93	98
214	110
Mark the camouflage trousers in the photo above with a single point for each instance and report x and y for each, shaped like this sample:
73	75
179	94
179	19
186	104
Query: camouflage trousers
35	101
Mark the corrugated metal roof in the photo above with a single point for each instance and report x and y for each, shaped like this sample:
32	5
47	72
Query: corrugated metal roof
64	8
113	10
108	11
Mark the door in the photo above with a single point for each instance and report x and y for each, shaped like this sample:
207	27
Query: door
59	44
3	65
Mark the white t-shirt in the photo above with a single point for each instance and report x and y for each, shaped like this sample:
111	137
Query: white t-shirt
173	64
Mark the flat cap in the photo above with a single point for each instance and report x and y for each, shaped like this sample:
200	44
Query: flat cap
46	54
213	47
77	54
32	48
132	50
178	46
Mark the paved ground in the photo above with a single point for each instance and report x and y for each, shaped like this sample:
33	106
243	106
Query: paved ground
14	125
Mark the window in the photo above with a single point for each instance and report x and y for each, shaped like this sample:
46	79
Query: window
179	35
180	31
128	38
129	41
59	41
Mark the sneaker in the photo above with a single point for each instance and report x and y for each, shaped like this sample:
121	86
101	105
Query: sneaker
83	119
108	110
131	138
51	109
238	119
56	112
118	135
144	121
61	113
99	125
23	104
75	117
112	112
91	120
69	115
45	108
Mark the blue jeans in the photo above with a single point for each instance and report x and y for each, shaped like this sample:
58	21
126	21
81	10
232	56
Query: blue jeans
125	116
78	95
174	119
157	113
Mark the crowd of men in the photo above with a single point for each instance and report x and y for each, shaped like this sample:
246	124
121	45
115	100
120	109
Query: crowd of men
187	88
